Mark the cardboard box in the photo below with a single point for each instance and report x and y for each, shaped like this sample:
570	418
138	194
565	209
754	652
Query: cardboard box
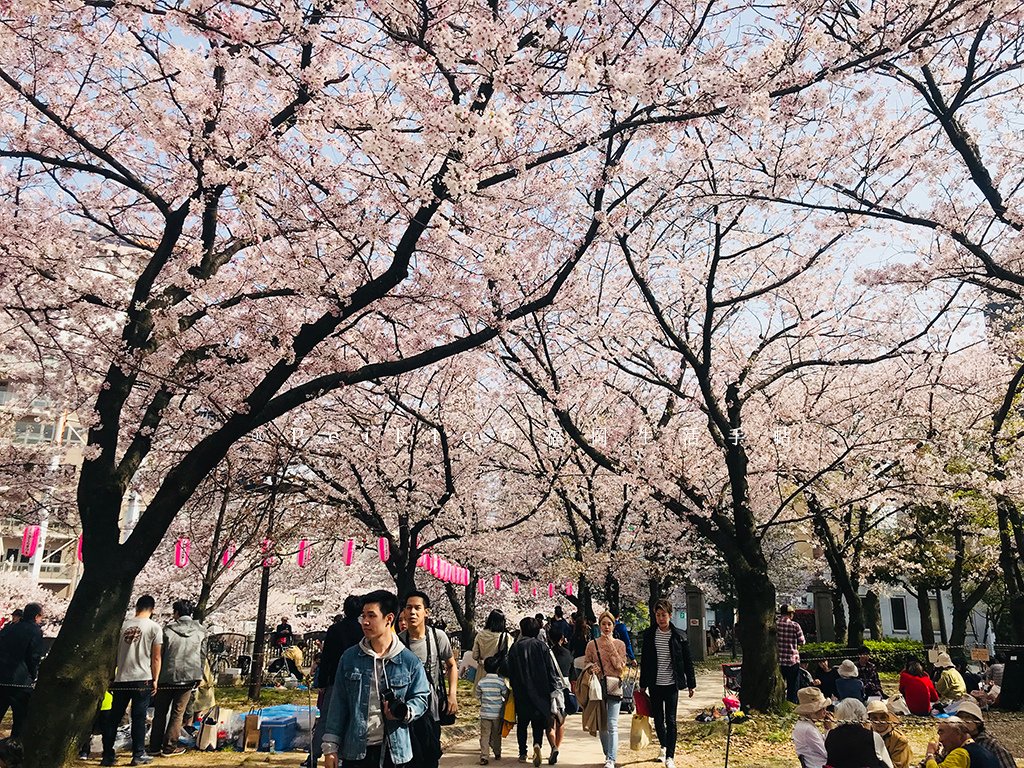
251	731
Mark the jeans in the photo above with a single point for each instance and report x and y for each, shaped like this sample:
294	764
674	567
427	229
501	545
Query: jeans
610	736
664	701
527	719
138	696
316	745
15	699
164	734
791	674
490	736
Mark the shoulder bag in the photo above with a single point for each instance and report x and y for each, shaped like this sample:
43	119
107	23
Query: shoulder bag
612	685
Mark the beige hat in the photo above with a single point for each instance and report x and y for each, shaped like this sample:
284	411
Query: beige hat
943	660
811	701
880	708
971	709
848	669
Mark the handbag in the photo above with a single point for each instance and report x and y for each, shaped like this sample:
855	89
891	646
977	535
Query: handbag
596	694
640	733
612	685
572	704
502	655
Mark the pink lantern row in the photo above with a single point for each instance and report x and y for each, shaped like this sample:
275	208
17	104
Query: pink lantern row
441	569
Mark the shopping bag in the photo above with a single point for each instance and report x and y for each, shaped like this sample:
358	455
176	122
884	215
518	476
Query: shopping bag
898	705
596	694
508	720
640	733
642	703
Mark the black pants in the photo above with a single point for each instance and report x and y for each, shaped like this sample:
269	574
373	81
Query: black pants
425	737
791	674
15	699
527	719
664	702
372	760
138	697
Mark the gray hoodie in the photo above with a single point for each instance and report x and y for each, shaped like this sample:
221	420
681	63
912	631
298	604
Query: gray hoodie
182	652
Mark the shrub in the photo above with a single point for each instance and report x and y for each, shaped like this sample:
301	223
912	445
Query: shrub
889	655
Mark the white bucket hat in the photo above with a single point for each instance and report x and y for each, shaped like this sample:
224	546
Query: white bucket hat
942	660
811	700
848	669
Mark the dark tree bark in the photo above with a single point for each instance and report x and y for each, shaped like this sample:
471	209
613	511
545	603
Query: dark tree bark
838	614
463	603
612	597
924	610
872	615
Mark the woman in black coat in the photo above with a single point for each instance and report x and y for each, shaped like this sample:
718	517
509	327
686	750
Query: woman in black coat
666	667
534	678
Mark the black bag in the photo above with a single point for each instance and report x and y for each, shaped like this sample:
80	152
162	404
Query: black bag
502	655
572	704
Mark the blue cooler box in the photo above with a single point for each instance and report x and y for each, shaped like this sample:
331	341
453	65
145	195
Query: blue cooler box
281	730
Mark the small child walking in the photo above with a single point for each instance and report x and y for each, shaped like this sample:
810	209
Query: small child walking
492	691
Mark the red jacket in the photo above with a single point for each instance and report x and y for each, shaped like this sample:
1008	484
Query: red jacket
919	692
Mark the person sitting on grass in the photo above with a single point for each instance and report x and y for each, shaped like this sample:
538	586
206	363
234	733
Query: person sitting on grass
808	740
954	748
970	713
885	724
849	685
950	684
917	689
851	744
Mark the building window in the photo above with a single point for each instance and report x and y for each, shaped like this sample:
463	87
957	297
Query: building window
73	435
31	432
899	614
6	394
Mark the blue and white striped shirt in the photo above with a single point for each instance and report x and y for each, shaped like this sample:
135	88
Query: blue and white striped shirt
491	691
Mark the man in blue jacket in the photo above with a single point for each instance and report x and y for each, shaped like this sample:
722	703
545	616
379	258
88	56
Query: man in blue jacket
380	688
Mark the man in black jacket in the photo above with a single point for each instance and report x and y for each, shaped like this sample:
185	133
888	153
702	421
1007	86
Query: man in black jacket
21	649
341	636
665	669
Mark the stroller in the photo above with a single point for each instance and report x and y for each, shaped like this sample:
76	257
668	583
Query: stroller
630	679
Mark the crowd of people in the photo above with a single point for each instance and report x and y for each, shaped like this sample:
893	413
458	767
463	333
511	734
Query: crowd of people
401	681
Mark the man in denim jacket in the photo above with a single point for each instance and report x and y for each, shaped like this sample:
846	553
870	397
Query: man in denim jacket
380	688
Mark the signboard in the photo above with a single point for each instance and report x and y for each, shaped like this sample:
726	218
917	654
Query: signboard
694	622
979	654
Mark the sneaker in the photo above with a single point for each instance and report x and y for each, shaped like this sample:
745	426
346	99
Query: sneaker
106	761
661	757
536	755
609	764
553	757
670	762
142	759
522	758
182	751
484	761
85	754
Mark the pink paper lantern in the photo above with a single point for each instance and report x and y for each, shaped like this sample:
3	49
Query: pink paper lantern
497	581
480	586
515	586
435	564
446	571
304	553
384	549
182	550
551	589
421	561
78	554
227	557
350	551
266	547
30	540
568	588
533	592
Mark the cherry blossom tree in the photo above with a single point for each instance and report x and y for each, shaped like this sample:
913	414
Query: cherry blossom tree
238	209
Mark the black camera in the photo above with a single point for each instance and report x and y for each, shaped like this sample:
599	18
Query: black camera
399	709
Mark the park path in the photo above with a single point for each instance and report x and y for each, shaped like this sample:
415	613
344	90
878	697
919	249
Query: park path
579	748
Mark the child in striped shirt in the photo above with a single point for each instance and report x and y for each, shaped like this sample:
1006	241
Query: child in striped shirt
492	691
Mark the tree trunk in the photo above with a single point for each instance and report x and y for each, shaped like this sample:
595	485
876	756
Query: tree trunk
612	596
762	687
463	602
77	669
585	599
855	629
657	588
838	614
872	608
259	651
924	610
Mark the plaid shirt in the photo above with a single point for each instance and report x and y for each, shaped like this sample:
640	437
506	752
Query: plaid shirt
1001	753
789	637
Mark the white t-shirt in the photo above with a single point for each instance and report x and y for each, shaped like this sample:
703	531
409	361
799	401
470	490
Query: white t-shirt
809	744
135	650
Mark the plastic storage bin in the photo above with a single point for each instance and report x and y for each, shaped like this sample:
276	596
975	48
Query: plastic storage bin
281	730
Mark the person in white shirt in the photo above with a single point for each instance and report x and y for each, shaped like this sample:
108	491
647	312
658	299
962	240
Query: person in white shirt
138	669
808	739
